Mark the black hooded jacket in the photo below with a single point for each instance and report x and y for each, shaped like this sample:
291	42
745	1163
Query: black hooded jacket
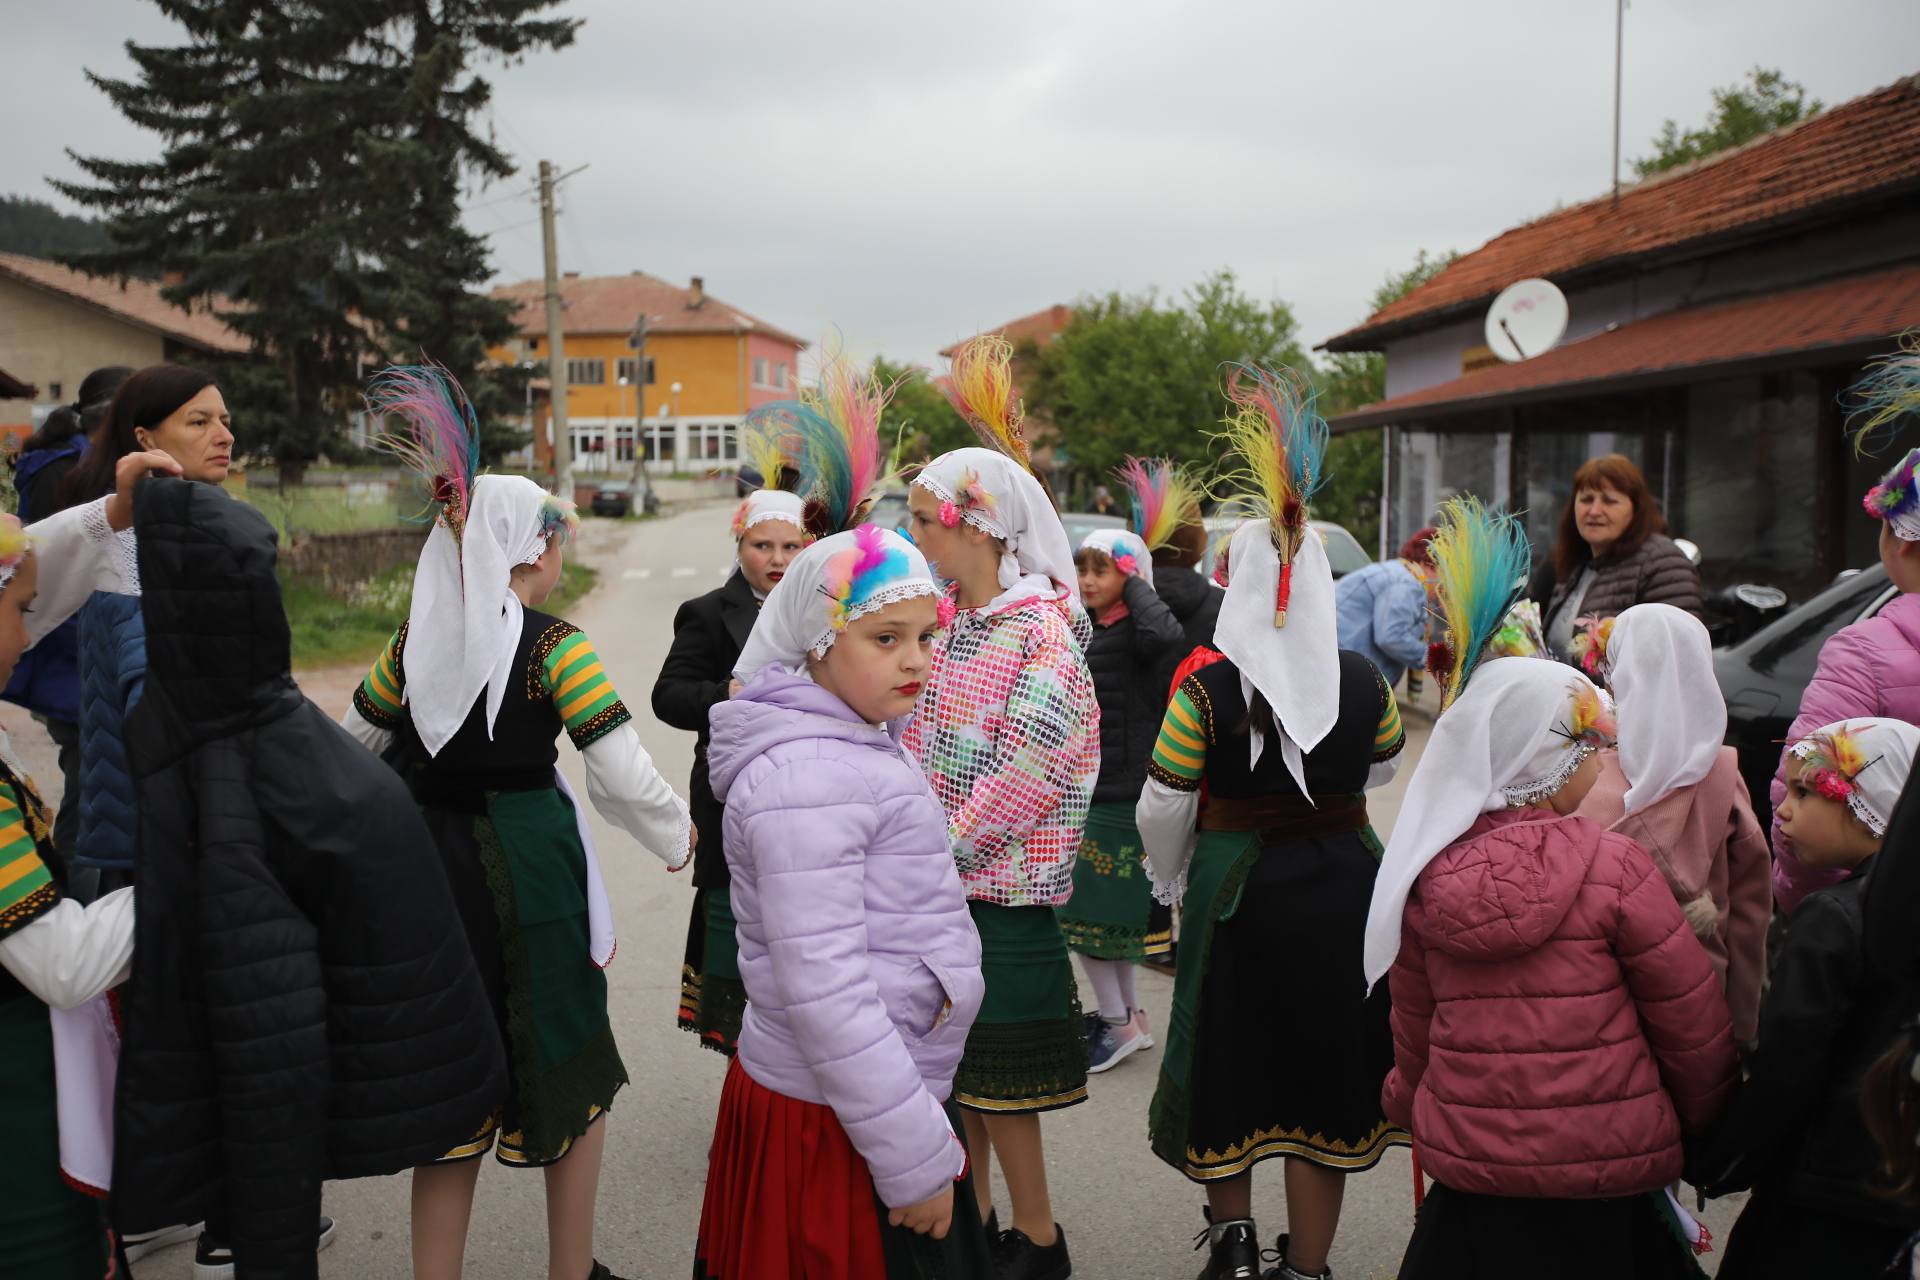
1124	660
1195	602
303	1004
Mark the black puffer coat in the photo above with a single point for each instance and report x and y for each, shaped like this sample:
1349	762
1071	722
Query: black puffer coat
1125	660
303	1004
1195	602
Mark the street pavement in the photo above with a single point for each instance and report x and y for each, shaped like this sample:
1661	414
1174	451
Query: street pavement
1126	1215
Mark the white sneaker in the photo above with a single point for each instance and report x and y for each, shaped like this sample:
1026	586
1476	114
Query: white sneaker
1140	1025
148	1242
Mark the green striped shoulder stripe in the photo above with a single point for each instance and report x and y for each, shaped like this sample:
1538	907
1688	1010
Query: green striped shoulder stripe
1389	736
26	886
379	697
578	684
1180	753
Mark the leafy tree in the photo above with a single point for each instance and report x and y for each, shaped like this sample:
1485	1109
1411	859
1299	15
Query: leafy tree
1351	380
306	190
39	230
1133	374
1741	113
918	420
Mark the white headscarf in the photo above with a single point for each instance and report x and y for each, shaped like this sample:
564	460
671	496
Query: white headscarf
828	585
1123	542
1885	750
1295	667
1659	665
465	622
1514	736
769	504
991	491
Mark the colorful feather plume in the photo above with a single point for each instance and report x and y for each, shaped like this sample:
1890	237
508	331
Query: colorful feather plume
15	544
1283	442
559	516
1519	634
852	577
1164	498
769	448
1590	641
836	442
1896	495
438	435
1831	763
1592	721
1482	558
1889	392
979	385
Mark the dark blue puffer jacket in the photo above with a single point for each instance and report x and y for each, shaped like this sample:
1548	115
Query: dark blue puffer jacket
113	670
46	680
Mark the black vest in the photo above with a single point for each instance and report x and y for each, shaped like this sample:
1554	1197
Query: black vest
1339	764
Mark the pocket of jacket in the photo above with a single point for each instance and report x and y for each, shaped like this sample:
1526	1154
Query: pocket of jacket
960	1001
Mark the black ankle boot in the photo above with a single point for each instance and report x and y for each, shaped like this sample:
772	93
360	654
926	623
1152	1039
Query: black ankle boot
1235	1250
1285	1271
1017	1257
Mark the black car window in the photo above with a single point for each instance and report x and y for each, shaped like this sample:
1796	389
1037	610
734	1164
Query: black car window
1790	649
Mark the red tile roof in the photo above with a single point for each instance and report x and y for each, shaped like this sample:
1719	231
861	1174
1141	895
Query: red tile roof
1837	321
609	304
1865	148
1041	326
136	301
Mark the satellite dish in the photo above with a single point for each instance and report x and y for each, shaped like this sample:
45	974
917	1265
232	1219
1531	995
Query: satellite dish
1528	319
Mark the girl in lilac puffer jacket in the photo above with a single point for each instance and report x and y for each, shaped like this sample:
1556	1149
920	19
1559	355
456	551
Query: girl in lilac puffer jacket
861	963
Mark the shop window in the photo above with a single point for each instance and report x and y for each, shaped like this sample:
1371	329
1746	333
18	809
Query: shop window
759	372
1429	467
1747	485
587	373
623	368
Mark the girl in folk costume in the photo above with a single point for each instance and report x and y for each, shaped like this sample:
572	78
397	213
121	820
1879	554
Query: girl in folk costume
1557	1025
56	961
466	702
837	1152
708	634
1007	732
1110	921
1274	1048
1677	792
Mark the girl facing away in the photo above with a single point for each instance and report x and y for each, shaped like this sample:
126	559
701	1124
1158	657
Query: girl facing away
837	1151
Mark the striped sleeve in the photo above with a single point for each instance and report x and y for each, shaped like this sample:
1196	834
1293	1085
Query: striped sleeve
578	684
1180	754
378	698
26	886
1389	736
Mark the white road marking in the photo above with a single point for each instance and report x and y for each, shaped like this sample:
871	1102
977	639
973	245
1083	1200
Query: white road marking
684	573
638	573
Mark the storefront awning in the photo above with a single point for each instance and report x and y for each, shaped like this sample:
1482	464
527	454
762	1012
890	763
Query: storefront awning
1833	323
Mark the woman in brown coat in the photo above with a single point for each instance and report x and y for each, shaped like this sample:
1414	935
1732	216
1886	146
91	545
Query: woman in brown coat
1612	554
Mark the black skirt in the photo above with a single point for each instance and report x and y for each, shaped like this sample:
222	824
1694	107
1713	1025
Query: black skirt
1774	1238
1462	1235
1290	1053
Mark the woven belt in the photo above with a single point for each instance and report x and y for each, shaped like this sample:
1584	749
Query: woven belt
1279	818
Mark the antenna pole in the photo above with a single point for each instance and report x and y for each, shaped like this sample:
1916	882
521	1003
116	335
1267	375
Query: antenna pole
1619	41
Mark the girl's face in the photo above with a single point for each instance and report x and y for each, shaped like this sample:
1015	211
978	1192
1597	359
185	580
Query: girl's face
1824	832
16	602
1574	789
955	553
198	435
878	664
537	580
1101	583
766	549
1603	515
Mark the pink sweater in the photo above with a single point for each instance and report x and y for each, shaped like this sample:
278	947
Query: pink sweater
1707	845
1871	668
1556	1025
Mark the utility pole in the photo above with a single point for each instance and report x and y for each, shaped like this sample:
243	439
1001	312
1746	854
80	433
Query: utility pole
650	502
557	431
1619	43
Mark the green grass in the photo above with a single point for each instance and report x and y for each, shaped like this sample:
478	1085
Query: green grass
330	628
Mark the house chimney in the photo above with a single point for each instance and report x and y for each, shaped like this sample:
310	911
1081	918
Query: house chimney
571	275
697	293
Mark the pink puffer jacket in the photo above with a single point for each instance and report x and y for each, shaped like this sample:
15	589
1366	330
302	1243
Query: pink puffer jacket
1871	668
1556	1024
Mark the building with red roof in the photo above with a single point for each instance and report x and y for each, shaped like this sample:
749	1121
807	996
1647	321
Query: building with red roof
1717	314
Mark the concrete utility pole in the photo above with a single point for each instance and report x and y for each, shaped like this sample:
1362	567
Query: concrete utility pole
650	501
1619	46
557	432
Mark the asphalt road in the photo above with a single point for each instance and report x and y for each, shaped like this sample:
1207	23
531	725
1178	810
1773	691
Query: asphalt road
1126	1215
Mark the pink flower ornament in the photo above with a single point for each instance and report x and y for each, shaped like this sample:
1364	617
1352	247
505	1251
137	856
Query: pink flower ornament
1127	564
949	514
946	611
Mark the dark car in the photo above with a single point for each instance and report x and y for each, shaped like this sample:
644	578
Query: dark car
1763	676
614	498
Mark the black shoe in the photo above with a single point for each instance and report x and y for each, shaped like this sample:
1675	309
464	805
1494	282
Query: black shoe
213	1259
993	1225
600	1272
1017	1257
1236	1251
1285	1272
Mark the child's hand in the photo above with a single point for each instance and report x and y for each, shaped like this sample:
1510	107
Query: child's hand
929	1217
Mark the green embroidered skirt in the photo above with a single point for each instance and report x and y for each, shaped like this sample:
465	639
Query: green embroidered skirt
1028	1048
48	1231
712	997
1110	916
519	876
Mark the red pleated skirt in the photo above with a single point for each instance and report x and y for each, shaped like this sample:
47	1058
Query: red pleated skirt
788	1198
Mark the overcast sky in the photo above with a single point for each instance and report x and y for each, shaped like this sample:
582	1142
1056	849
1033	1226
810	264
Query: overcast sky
913	172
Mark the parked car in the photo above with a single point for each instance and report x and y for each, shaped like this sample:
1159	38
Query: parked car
1763	675
613	498
1344	552
1081	523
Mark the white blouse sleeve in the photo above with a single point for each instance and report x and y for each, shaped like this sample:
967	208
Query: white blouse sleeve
78	554
368	734
1381	773
73	953
1166	819
630	793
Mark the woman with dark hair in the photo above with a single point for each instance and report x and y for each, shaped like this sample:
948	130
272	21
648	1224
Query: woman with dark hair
1613	553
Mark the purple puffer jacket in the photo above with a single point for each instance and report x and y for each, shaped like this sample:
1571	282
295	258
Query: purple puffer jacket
1871	668
861	964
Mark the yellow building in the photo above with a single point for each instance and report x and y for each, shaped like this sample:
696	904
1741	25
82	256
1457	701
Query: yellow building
708	363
